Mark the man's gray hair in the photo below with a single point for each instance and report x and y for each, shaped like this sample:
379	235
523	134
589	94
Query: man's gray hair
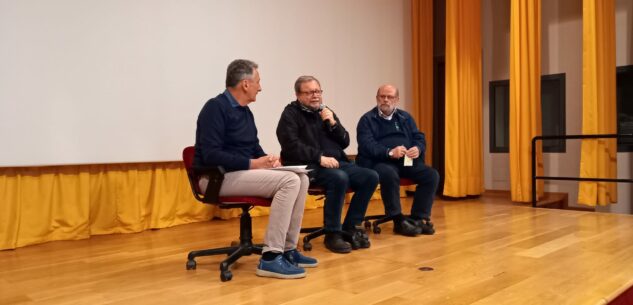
304	79
238	70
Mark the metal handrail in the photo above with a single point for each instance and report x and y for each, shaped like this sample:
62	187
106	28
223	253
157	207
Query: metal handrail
568	137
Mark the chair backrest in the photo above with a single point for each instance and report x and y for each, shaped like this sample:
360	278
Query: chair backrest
187	159
215	175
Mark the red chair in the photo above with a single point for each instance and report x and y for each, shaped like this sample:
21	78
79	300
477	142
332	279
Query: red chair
212	196
380	219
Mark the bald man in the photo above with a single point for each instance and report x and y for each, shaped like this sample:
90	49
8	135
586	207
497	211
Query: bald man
390	143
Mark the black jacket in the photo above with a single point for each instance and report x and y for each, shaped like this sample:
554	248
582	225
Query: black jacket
299	131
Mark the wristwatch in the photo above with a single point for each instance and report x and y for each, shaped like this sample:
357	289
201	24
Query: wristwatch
391	153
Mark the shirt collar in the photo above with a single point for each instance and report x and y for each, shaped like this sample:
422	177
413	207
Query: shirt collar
386	117
231	99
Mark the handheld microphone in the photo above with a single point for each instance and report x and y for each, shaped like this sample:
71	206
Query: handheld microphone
327	122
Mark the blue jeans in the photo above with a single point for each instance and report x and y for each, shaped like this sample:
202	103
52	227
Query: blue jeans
336	181
426	178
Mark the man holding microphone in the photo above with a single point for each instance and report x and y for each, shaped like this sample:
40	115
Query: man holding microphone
310	133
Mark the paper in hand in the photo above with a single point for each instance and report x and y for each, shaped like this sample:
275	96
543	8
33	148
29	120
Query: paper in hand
408	161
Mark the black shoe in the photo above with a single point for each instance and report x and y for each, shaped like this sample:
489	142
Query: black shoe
357	237
350	237
335	243
425	226
406	228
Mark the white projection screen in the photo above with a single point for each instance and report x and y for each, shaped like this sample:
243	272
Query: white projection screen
118	81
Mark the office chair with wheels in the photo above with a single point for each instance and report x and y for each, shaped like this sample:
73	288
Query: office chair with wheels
380	219
212	196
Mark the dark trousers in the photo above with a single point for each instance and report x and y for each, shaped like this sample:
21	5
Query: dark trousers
336	181
426	178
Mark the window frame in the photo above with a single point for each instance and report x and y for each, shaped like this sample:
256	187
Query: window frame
494	85
622	147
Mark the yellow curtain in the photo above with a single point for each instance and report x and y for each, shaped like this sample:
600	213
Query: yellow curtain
525	97
464	160
42	204
598	157
422	69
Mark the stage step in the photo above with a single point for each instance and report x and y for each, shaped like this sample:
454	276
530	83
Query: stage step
552	200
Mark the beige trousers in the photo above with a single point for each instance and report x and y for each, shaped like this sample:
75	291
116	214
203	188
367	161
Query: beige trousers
288	191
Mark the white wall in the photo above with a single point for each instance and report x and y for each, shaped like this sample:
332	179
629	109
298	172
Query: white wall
561	53
88	81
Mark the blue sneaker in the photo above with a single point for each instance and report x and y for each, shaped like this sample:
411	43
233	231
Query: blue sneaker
296	258
279	268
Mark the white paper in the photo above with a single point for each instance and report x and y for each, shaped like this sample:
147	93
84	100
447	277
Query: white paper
408	161
300	169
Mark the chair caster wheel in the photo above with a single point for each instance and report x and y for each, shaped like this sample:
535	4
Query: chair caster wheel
191	265
226	276
307	247
377	230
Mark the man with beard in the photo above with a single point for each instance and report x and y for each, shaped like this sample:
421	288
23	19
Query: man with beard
390	143
310	133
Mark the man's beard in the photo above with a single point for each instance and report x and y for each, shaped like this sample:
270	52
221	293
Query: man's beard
387	110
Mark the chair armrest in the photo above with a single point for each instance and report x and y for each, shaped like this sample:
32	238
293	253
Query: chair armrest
216	177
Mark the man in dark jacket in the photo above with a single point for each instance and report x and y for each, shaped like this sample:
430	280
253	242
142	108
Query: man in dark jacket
310	133
390	143
226	136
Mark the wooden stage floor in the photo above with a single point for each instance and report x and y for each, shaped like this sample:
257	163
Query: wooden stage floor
485	251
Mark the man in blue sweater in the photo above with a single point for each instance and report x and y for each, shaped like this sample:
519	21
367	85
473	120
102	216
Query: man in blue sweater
390	143
226	136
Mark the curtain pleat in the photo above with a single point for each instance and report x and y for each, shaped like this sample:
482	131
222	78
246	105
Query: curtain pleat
464	157
422	70
42	204
598	157
525	97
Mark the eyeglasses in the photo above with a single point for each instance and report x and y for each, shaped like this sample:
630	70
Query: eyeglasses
313	92
387	97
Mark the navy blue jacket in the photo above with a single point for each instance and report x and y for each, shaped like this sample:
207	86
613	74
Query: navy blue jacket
226	135
371	151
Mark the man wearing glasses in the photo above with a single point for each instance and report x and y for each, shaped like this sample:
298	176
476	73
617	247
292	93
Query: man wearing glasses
390	143
310	133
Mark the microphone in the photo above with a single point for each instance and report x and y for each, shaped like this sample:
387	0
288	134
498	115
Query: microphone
327	122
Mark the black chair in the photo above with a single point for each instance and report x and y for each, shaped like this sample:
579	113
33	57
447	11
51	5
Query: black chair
211	196
380	219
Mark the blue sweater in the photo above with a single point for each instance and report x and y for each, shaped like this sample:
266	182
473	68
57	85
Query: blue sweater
226	135
376	136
